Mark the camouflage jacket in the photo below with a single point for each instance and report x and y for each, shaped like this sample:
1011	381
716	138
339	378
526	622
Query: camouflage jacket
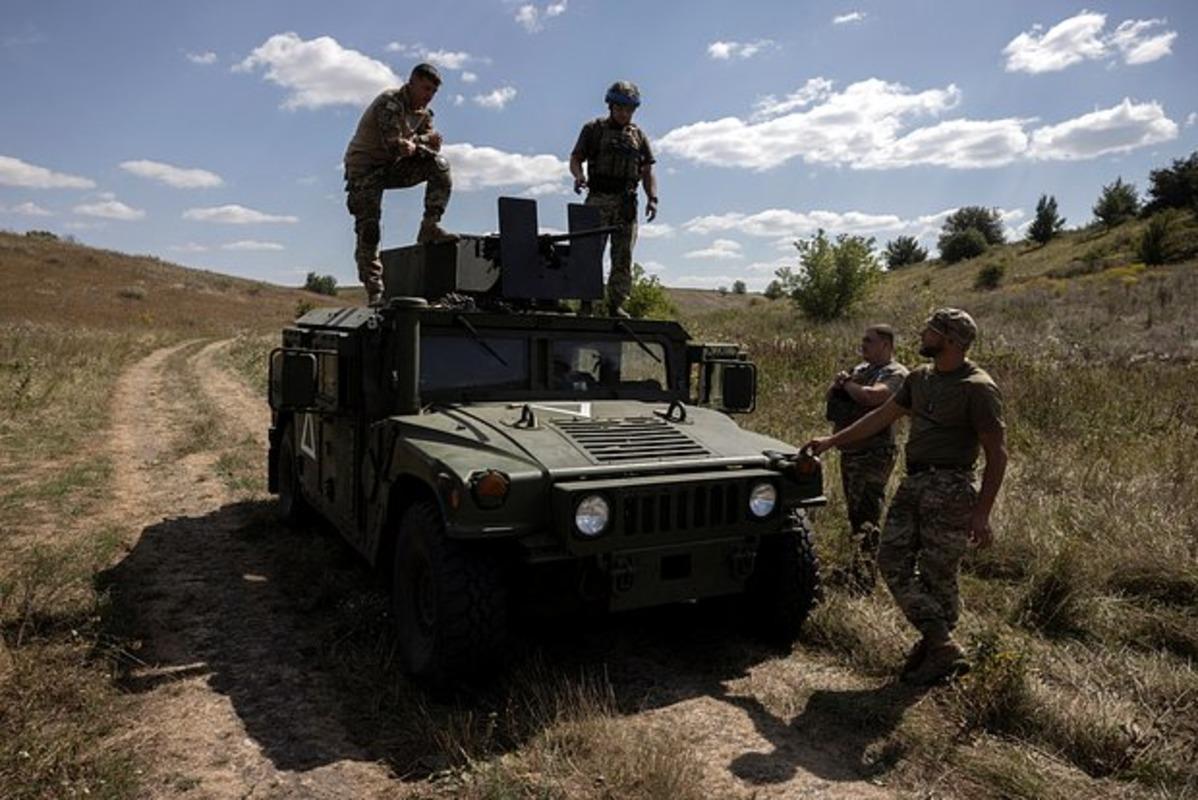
615	155
386	122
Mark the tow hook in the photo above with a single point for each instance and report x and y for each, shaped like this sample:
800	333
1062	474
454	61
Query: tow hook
743	559
622	574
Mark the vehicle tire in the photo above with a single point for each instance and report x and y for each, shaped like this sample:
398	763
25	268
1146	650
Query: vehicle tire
450	599
784	586
293	508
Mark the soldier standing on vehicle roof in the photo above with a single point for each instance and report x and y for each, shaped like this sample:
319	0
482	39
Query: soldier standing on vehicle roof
395	147
618	157
865	467
954	407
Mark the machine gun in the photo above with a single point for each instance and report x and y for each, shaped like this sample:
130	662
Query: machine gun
517	264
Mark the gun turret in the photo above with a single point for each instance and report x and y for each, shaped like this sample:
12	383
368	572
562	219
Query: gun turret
519	263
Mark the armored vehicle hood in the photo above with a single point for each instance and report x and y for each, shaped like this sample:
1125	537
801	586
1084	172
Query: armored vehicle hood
574	438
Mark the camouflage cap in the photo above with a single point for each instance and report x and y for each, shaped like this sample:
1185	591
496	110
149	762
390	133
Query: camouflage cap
955	324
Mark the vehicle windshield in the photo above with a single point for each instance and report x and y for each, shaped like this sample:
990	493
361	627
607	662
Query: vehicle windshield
488	363
584	364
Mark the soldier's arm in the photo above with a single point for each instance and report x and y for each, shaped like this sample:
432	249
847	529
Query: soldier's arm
397	137
994	445
430	137
649	180
874	395
875	421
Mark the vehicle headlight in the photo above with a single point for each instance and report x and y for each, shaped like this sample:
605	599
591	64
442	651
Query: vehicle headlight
591	515
762	499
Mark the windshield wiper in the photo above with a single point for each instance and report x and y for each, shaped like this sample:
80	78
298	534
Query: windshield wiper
623	326
475	337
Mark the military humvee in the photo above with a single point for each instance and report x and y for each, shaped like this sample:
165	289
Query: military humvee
484	448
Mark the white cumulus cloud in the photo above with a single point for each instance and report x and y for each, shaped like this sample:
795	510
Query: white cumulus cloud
872	125
318	72
1112	130
720	248
28	209
207	57
179	177
15	172
487	167
496	99
1082	37
532	17
468	76
852	16
235	215
656	230
1191	119
774	222
110	209
726	51
250	244
189	247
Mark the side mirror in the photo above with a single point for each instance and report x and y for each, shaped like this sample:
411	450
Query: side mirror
293	380
738	386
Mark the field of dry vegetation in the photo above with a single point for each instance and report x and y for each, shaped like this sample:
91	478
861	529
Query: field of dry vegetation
1082	619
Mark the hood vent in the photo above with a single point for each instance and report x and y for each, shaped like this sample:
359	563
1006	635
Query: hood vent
614	441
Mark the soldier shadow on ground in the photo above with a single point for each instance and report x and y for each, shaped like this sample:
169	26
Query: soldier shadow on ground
295	630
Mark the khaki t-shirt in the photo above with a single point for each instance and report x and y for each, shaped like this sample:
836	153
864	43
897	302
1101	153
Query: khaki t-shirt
891	376
948	411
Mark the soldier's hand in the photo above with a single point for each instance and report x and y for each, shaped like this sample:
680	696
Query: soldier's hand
818	445
980	534
579	185
432	140
406	148
651	209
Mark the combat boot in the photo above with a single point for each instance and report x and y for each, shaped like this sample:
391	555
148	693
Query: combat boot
941	662
617	310
431	232
914	658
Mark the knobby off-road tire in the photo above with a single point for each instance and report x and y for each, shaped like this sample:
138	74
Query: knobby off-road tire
450	599
293	508
784	586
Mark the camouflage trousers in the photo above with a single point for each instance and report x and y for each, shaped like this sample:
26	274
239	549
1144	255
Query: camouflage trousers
615	209
864	475
926	534
364	198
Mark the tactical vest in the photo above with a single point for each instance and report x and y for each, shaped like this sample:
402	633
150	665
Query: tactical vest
615	167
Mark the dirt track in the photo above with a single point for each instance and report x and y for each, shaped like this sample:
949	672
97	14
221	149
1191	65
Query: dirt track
235	696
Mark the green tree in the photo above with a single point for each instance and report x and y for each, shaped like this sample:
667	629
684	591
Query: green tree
904	250
738	287
774	290
1175	186
1048	222
961	245
986	221
648	297
321	284
1118	203
834	275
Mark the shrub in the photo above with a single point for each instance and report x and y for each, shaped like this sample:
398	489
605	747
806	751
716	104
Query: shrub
903	251
986	221
1175	186
1118	203
774	290
1154	242
990	276
835	275
46	235
132	293
321	284
961	245
1048	222
648	297
303	307
738	287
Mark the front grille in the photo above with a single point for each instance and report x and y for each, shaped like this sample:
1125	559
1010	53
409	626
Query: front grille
614	441
694	507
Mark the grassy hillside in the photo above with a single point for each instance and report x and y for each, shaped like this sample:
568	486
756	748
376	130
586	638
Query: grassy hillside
1083	618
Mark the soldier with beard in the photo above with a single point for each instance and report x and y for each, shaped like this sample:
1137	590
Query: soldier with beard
956	410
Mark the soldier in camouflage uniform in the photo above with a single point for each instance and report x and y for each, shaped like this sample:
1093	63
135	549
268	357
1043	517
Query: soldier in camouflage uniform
395	147
618	157
865	466
956	410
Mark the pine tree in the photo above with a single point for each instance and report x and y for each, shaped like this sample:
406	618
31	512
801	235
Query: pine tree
1048	222
1118	203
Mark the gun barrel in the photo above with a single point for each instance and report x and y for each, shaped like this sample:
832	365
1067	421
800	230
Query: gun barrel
565	237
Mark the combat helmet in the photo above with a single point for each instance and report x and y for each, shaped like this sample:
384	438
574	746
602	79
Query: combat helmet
623	93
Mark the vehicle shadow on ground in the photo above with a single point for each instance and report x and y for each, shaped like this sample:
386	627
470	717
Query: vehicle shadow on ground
295	630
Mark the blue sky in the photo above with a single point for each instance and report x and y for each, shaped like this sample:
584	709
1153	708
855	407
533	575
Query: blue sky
211	134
